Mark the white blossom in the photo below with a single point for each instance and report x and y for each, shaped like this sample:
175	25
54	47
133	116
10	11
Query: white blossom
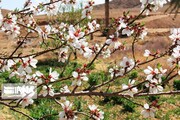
127	63
148	111
132	90
79	78
147	53
154	86
64	89
53	75
96	113
63	54
127	31
67	112
121	24
157	4
47	90
175	35
86	12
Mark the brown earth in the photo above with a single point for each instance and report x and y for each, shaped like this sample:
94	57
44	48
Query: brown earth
116	4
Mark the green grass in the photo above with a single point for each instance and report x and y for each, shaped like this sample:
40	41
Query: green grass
114	107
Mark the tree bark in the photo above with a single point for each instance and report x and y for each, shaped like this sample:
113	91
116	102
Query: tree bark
107	15
107	12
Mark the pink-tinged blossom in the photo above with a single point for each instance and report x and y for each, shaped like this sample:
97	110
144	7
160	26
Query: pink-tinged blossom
96	113
64	89
63	54
6	65
75	33
127	31
175	35
26	102
80	75
10	26
148	111
131	91
116	71
47	90
34	79
150	72
106	53
176	53
30	61
127	63
92	26
26	63
143	33
53	75
86	12
39	74
155	5
147	53
26	99
67	112
113	40
154	86
79	78
24	68
121	24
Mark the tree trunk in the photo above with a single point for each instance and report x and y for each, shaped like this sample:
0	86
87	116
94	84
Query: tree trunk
107	12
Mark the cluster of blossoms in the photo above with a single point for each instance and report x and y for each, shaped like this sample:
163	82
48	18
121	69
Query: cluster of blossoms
37	79
9	25
113	40
124	66
79	41
86	13
80	75
131	91
51	9
22	68
54	8
63	54
135	29
96	113
175	54
76	39
64	89
154	77
92	26
149	110
153	5
69	114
